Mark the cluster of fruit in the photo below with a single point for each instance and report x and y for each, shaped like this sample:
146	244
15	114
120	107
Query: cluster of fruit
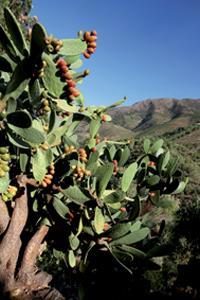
47	180
38	70
53	45
115	163
82	155
66	75
97	139
10	193
45	106
90	38
80	172
4	161
69	149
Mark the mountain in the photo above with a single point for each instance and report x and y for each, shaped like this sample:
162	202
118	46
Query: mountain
152	117
178	121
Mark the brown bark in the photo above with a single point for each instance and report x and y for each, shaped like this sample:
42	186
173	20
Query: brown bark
4	216
19	277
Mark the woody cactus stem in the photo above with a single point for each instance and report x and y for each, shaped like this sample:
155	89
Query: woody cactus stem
19	276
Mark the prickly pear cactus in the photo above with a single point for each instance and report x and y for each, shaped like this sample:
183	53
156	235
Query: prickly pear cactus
88	195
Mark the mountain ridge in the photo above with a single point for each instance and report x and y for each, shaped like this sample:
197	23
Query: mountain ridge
152	116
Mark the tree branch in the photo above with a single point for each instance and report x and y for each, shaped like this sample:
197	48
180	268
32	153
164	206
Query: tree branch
33	249
49	294
11	268
17	223
4	216
29	281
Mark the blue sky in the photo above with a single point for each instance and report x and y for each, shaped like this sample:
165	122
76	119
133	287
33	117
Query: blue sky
146	48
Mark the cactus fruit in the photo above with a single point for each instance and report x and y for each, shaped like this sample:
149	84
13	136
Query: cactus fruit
103	118
97	139
82	155
115	163
4	161
44	146
80	172
152	194
70	83
86	73
66	75
86	54
10	193
38	69
3	150
151	164
52	169
122	209
69	149
90	38
106	227
44	108
47	180
53	45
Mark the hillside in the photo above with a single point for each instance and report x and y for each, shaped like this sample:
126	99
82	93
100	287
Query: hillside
177	121
152	117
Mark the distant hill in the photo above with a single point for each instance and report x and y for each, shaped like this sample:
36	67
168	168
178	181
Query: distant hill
177	121
152	117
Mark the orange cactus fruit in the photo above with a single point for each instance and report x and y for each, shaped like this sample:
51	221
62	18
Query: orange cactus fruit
49	176
106	227
151	164
44	184
86	54
86	35
92	45
68	75
47	180
93	32
44	146
92	38
91	50
74	92
88	173
52	171
103	118
60	63
97	141
152	194
70	83
123	209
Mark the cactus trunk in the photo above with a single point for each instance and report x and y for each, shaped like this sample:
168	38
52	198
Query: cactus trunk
19	276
